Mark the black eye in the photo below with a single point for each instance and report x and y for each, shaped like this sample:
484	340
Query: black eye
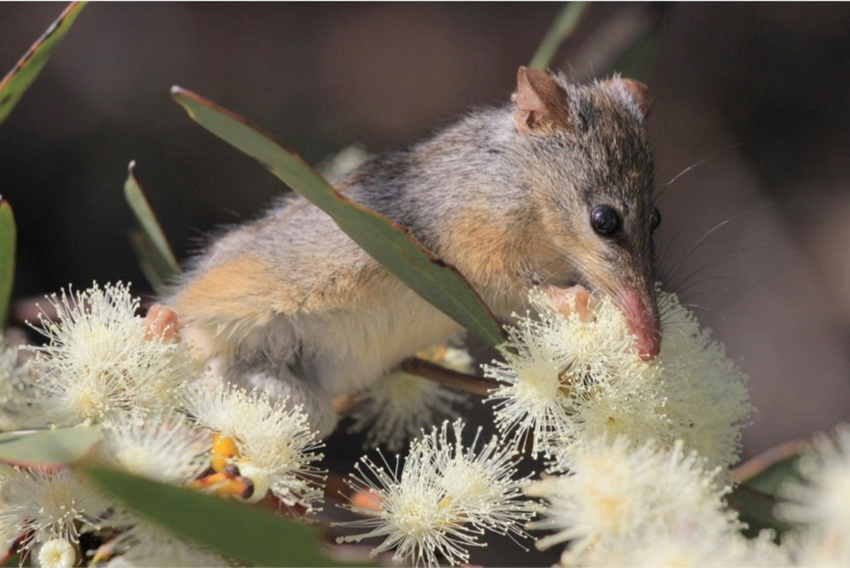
655	220
605	220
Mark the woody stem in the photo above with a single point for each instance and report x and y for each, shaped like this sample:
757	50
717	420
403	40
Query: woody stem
447	377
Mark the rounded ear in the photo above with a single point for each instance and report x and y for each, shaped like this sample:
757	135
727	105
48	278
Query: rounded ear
633	92
541	103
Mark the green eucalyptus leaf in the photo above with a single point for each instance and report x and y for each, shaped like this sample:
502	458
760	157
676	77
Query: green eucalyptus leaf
48	448
563	26
155	254
237	531
387	242
17	81
758	479
756	509
773	476
8	238
767	471
637	60
149	260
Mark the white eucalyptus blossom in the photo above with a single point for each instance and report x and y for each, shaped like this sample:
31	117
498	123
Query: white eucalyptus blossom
163	447
276	447
415	518
400	405
696	549
532	404
568	379
145	544
819	503
482	477
618	495
99	363
706	394
50	505
443	500
57	553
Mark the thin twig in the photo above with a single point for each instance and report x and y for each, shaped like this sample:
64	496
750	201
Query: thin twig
560	30
760	463
447	377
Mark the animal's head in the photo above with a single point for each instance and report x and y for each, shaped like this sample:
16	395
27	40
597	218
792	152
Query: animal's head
590	179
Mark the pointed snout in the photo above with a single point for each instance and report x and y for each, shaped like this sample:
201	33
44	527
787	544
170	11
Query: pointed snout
641	311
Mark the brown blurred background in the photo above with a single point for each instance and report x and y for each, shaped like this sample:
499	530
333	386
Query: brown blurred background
753	98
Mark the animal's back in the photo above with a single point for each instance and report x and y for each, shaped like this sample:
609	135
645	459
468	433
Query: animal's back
291	304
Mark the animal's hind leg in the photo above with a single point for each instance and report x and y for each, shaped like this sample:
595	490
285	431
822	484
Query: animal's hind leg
278	380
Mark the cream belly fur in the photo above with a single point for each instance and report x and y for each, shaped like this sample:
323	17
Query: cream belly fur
349	349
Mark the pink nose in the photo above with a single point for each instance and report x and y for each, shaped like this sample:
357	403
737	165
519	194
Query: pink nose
644	323
648	346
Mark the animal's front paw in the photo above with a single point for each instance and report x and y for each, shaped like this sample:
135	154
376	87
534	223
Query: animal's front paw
161	321
573	299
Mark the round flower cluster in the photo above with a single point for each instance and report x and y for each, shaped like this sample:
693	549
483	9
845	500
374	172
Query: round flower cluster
568	378
158	419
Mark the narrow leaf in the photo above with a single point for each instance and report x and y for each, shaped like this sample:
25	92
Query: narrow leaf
757	481
637	59
154	252
48	448
559	31
145	252
18	80
234	530
393	246
756	509
768	470
8	238
769	480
